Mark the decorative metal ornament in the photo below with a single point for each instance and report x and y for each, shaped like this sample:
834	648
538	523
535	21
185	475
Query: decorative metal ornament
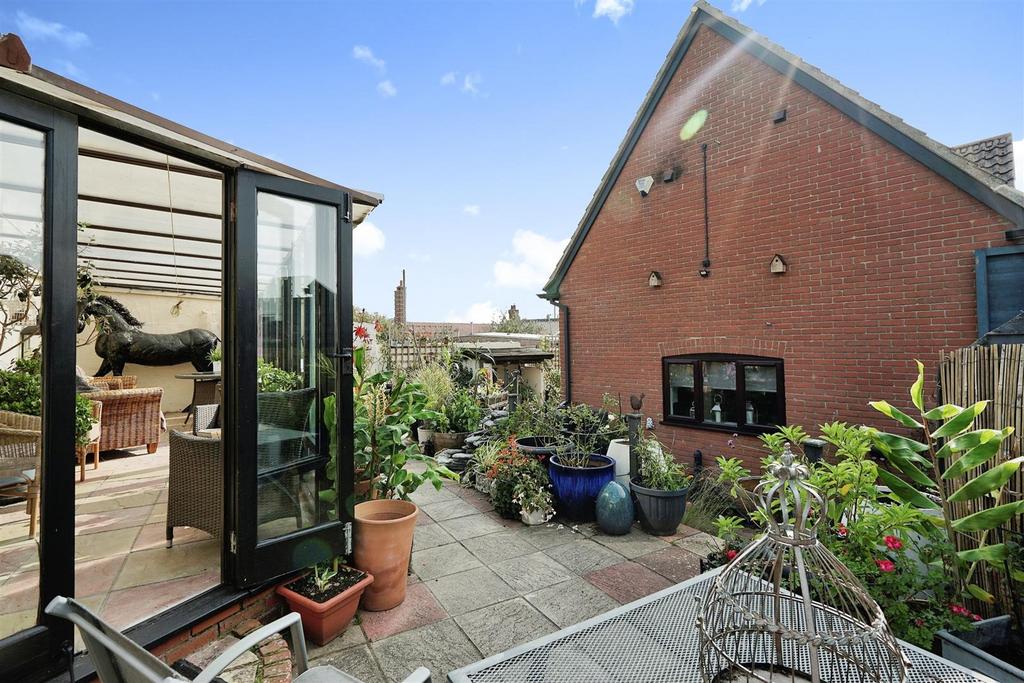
786	609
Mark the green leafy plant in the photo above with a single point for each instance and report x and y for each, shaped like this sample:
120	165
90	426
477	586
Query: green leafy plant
21	391
731	473
585	431
728	527
322	575
658	469
508	472
437	384
269	377
216	353
948	450
532	491
461	413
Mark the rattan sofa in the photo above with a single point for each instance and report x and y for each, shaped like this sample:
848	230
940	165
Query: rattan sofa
20	438
114	382
131	417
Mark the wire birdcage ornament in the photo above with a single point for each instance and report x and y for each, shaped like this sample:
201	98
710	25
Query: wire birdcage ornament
786	609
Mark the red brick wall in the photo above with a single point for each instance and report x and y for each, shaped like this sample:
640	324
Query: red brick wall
879	248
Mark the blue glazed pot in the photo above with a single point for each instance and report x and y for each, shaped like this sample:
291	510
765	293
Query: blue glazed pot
614	507
577	487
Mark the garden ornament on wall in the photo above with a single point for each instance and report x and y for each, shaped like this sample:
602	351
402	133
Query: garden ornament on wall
786	609
121	340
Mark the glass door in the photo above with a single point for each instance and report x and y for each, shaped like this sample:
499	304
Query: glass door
288	406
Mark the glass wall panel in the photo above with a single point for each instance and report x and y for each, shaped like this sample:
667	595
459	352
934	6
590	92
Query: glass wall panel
22	179
296	305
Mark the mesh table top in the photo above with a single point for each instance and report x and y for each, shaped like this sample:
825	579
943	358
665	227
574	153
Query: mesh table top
652	639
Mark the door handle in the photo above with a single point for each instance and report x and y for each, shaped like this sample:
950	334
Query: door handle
345	356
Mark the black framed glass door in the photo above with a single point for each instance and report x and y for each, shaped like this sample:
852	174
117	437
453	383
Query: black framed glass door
288	409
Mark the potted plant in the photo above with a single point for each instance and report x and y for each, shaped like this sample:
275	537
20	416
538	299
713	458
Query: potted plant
215	356
532	495
727	528
385	407
326	599
21	392
481	465
578	472
661	488
536	425
458	417
436	381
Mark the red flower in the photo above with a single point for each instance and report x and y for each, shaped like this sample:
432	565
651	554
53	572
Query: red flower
361	333
842	531
975	617
893	543
885	565
919	622
730	554
959	610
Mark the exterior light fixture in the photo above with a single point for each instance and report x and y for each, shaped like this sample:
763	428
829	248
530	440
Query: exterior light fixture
654	280
778	265
644	185
669	175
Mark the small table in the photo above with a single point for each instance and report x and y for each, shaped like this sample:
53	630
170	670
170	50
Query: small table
204	389
652	639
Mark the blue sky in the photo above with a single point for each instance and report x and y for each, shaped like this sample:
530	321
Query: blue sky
487	125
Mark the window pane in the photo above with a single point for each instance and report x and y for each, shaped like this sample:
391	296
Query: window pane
719	392
296	299
761	384
682	396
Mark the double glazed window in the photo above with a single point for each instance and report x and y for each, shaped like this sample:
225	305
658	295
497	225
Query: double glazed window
738	393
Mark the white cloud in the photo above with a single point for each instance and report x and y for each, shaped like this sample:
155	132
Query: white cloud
471	209
448	78
483	312
34	28
743	5
387	89
613	9
471	83
367	240
535	259
366	56
1018	161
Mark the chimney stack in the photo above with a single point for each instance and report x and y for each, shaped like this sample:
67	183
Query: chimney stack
400	318
513	313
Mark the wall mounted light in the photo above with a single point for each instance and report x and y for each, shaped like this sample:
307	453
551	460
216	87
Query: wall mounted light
779	116
669	175
654	279
778	265
645	184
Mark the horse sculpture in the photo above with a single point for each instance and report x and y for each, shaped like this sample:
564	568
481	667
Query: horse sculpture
121	340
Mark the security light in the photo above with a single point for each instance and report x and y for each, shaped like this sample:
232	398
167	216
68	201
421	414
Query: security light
644	185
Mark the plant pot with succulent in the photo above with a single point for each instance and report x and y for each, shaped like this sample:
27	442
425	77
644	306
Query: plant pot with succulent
660	490
326	599
216	353
458	418
385	407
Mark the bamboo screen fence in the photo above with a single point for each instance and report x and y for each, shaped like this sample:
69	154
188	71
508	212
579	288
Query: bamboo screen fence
995	374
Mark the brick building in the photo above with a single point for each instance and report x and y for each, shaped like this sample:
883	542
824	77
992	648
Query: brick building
793	248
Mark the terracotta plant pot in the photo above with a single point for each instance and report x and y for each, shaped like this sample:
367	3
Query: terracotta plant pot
383	545
443	440
324	621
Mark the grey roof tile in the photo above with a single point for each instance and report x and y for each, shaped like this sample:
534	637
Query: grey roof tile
992	155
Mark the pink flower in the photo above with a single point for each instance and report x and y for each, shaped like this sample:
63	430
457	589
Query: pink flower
730	554
959	610
885	565
919	622
893	543
975	617
842	531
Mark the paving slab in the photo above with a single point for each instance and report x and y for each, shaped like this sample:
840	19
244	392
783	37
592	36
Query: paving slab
443	559
675	564
469	590
427	494
570	602
500	546
471	526
633	544
419	608
531	572
502	626
701	544
545	536
430	535
357	662
441	647
449	509
583	556
627	581
350	637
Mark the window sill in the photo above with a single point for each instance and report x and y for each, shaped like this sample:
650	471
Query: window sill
743	430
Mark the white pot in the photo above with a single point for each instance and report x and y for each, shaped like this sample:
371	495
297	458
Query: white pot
425	435
216	365
618	450
532	518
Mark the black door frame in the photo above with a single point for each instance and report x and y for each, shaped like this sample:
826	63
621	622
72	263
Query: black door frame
254	561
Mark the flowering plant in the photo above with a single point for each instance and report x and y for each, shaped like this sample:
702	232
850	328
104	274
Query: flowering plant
534	495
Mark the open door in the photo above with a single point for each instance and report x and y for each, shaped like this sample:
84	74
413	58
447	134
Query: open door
288	376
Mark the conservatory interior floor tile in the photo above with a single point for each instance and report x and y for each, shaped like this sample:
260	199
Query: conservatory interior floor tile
481	585
122	568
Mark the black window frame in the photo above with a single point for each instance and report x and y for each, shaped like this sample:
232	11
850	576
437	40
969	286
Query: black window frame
697	360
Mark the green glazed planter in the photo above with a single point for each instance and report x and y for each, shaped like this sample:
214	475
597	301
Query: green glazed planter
615	511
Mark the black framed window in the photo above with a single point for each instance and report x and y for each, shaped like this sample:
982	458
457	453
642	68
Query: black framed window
744	394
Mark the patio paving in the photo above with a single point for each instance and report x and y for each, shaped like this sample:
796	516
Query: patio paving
481	585
123	570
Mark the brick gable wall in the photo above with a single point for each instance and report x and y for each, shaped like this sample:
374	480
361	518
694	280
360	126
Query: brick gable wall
879	248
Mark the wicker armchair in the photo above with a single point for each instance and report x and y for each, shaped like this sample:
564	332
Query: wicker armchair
195	484
131	417
114	382
95	433
20	448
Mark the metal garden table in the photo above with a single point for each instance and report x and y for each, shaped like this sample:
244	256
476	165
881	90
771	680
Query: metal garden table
652	639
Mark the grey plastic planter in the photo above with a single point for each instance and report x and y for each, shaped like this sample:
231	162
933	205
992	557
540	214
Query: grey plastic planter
660	512
966	649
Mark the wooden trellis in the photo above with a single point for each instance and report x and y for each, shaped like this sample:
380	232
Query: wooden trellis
994	374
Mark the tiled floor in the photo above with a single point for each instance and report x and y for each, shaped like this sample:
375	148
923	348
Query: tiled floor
123	569
481	585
